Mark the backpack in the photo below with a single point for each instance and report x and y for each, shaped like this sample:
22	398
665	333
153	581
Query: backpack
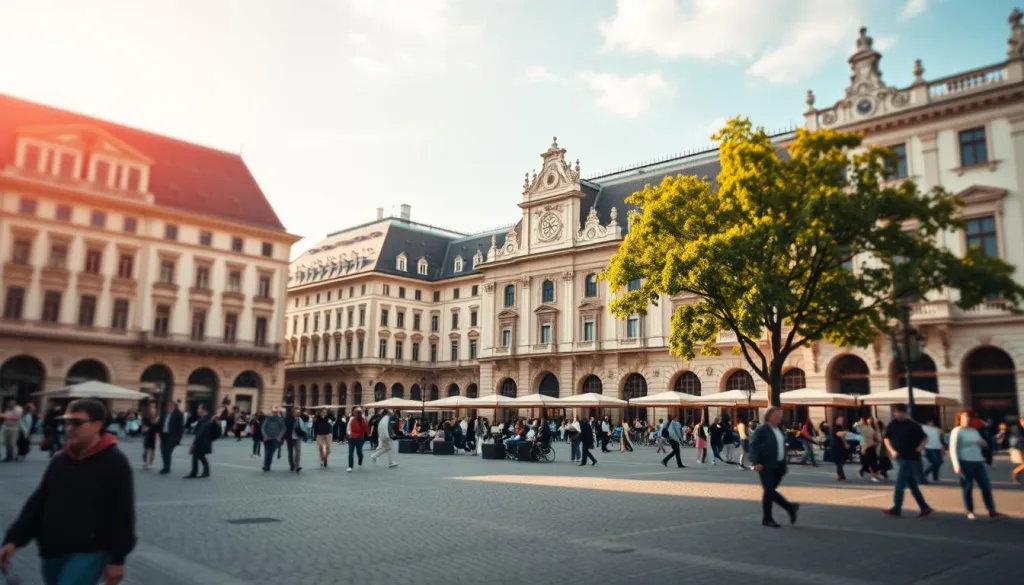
664	432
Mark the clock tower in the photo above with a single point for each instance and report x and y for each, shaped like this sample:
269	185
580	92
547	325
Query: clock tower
551	203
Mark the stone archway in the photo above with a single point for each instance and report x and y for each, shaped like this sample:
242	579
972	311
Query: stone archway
591	384
991	384
850	375
794	379
86	371
289	395
635	386
687	382
380	392
159	380
435	393
357	394
416	393
924	375
548	385
247	389
328	395
201	389
508	388
314	395
302	396
472	391
397	390
20	377
454	390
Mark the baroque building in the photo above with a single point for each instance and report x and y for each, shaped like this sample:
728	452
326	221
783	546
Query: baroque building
135	259
542	320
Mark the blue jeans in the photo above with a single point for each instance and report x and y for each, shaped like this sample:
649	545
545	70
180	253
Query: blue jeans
906	476
74	569
934	457
355	446
808	452
971	472
577	454
269	448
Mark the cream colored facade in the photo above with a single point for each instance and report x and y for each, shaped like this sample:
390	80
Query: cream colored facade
545	325
102	281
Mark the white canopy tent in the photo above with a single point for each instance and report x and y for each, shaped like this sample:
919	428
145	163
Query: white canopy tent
492	401
94	389
449	403
590	400
670	399
737	398
397	403
902	396
535	401
815	397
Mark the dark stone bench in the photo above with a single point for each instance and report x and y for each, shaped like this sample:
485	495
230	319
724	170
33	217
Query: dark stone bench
524	451
493	451
442	448
407	446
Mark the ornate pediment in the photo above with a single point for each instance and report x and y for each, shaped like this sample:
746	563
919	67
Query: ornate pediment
590	305
85	137
593	231
979	194
507	250
546	309
508	313
556	176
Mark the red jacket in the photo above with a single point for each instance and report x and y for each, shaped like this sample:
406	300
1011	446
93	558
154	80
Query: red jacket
358	428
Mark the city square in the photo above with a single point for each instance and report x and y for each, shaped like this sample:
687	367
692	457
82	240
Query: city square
463	518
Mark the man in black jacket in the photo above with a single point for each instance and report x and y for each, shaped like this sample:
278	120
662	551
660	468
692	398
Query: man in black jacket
294	435
207	430
172	427
587	441
82	515
768	457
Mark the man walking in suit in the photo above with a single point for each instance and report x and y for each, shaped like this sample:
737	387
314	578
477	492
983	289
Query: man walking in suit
587	441
205	432
171	428
675	438
768	456
294	435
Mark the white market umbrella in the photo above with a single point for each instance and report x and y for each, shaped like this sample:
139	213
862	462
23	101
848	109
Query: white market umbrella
591	400
94	389
535	401
492	401
814	397
737	398
450	403
397	403
902	396
668	399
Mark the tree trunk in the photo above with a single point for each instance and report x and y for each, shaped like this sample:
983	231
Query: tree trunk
775	382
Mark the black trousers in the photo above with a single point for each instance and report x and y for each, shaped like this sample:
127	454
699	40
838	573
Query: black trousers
166	450
196	460
587	455
770	480
674	453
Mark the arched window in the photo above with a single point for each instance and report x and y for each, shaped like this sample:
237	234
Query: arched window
400	263
397	391
314	392
472	391
592	385
435	394
328	394
508	388
380	392
453	390
421	266
793	379
510	295
415	393
357	394
688	383
458	264
740	380
302	396
635	387
590	285
547	292
549	385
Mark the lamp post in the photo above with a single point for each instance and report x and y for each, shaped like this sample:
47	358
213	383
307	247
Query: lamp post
907	347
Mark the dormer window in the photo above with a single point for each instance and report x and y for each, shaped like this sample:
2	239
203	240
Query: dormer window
421	267
32	157
477	258
400	263
458	264
65	164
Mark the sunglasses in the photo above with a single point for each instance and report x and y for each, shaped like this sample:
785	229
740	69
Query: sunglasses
76	422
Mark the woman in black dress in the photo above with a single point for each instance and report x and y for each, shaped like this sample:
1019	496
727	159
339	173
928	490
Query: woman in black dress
150	429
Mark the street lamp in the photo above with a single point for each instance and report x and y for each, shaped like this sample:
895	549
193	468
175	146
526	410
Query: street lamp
906	345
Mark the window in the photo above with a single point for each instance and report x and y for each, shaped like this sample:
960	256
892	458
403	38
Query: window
435	323
337	319
545	333
14	303
475	290
27	206
458	264
235	281
260	332
63	212
437	296
401	292
237	244
328	296
899	168
131	225
205	238
263	287
421	267
350	314
400	316
348	350
198	332
510	295
267	249
418	295
33	155
230	327
455	294
981	233
415	352
455	351
167	270
400	263
362	317
305	323
162	320
506	337
433	352
202	277
316	351
633	327
383	317
51	306
634	284
387	290
590	286
134	179
361	348
21	252
98	219
455	320
547	294
101	173
588	331
93	260
472	318
295	325
170	232
472	349
119	318
416	321
382	348
58	256
126	266
362	290
87	310
398	350
67	165
316	323
973	148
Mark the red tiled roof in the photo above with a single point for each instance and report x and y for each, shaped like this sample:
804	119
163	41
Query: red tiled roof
183	175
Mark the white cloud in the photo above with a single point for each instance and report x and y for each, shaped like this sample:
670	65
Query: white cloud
885	42
785	40
540	74
357	38
372	67
913	8
626	96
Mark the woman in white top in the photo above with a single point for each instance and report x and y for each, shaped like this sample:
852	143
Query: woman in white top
965	445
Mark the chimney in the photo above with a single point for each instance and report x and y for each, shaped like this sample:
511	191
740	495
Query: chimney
380	213
405	210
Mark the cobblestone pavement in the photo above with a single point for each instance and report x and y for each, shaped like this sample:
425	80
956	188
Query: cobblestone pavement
626	520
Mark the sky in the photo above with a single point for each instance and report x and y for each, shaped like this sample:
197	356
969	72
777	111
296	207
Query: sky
342	106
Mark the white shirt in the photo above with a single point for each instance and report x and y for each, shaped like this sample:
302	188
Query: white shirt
780	441
12	418
382	427
605	428
934	437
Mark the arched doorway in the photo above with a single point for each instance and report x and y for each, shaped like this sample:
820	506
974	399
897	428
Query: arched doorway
328	395
992	384
21	377
201	389
302	396
453	390
549	387
357	394
635	386
380	392
397	390
159	381
688	383
472	391
592	385
87	371
435	394
508	389
739	380
850	375
416	393
314	395
794	379
342	397
289	395
246	388
924	375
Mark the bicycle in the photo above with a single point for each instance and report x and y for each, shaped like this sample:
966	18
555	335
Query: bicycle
543	452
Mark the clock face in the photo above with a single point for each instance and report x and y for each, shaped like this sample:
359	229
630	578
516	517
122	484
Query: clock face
865	106
550	226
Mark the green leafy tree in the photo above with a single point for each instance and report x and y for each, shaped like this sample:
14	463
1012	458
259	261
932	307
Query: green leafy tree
769	254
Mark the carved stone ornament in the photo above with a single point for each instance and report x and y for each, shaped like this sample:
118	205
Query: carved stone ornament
567	276
511	246
555	174
549	226
815	356
1015	44
489	287
867	95
593	230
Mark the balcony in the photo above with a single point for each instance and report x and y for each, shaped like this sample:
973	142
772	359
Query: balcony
90	280
211	346
263	301
65	332
945	311
231	298
383	362
127	286
55	277
18	271
965	83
